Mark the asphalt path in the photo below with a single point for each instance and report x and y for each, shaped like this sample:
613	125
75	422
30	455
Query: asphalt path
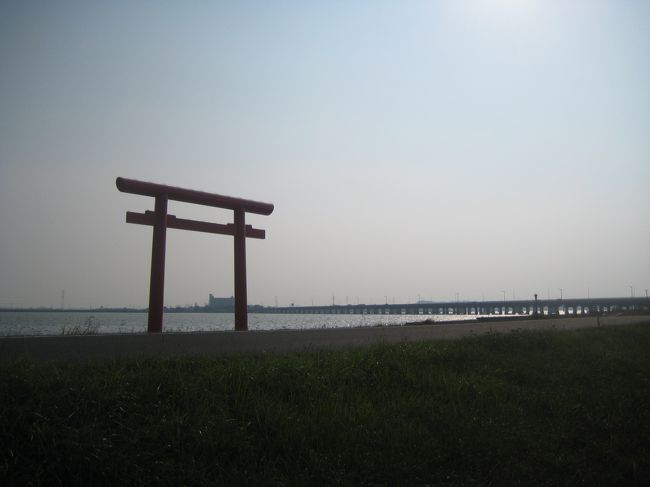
140	346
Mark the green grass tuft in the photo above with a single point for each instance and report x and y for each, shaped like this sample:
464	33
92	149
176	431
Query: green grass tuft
542	408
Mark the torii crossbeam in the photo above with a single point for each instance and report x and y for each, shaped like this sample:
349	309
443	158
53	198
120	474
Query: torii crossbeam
161	221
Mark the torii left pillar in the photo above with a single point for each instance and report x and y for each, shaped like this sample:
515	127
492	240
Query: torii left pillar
241	299
157	280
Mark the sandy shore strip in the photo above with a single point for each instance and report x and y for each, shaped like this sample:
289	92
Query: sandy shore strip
138	346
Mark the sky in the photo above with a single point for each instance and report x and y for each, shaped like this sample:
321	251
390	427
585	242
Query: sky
412	149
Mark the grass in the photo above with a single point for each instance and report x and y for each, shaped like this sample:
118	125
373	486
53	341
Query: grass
534	408
89	327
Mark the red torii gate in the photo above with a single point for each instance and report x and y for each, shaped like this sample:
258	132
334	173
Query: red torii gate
161	221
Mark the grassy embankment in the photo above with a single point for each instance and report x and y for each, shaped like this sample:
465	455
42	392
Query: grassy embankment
532	408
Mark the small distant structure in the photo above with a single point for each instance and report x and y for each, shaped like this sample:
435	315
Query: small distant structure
221	303
161	221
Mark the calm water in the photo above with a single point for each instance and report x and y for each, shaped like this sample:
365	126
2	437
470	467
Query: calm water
53	323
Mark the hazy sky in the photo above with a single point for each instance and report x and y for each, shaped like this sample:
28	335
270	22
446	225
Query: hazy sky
410	148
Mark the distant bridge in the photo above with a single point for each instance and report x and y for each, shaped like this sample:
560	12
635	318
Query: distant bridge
584	306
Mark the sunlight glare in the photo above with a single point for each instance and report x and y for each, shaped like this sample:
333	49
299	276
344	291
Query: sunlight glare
500	8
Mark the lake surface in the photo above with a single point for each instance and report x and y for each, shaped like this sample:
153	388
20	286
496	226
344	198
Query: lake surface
54	322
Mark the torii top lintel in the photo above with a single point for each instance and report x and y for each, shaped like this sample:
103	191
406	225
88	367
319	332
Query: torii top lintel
144	188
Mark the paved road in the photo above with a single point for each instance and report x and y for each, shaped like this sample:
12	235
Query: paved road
72	348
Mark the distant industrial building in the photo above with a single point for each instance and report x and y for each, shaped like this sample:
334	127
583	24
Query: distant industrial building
221	303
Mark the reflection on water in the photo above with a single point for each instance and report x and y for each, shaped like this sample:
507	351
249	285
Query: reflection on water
53	323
